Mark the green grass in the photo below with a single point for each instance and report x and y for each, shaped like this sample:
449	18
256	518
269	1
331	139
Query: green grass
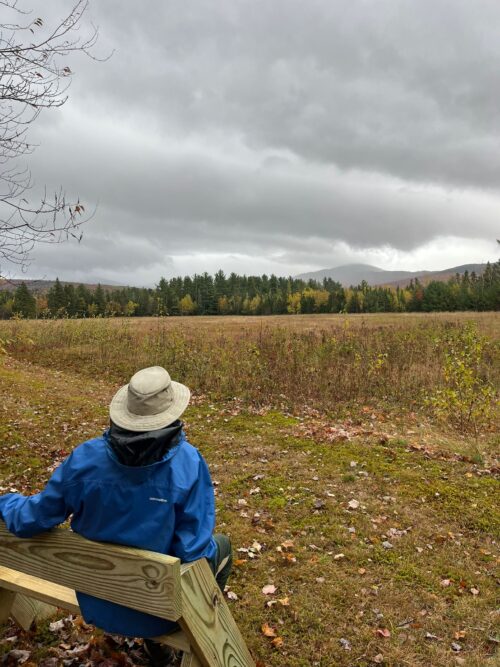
438	513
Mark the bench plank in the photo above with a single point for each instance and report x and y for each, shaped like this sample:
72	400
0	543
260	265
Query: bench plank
12	582
190	660
6	601
49	566
26	609
207	620
45	591
142	580
176	640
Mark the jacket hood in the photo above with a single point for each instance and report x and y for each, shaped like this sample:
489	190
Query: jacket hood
132	448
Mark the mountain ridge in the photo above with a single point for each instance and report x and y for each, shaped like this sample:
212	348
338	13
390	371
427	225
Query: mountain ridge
354	274
347	274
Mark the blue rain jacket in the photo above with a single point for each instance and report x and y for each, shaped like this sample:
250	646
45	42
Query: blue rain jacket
167	507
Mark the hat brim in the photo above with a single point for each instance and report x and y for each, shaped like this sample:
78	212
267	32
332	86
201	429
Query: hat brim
121	416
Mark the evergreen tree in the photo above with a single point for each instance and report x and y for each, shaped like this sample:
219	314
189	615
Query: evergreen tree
56	300
262	295
99	300
70	299
83	299
24	303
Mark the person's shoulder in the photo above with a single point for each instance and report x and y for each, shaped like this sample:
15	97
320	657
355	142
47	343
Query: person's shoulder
88	453
93	445
187	465
189	458
188	451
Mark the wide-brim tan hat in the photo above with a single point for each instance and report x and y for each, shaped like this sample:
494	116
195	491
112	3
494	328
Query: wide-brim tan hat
151	400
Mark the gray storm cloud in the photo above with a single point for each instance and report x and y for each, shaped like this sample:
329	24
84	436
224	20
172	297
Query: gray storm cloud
257	129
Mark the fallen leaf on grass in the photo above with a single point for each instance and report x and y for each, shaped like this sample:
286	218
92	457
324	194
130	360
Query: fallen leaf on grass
277	642
268	631
56	625
445	583
19	656
353	504
270	589
361	570
9	640
474	591
284	602
460	634
378	659
232	595
289	558
383	632
288	544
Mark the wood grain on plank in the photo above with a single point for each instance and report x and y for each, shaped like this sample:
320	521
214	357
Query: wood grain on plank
176	640
61	596
142	580
6	601
26	609
208	622
190	660
42	590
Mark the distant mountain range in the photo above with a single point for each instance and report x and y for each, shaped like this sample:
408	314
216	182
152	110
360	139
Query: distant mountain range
347	275
354	274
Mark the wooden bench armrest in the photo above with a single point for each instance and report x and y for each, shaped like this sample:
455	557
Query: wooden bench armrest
42	590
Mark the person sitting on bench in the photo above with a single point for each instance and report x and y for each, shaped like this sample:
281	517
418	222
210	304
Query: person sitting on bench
140	484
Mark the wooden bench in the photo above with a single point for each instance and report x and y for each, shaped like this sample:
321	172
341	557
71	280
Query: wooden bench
40	572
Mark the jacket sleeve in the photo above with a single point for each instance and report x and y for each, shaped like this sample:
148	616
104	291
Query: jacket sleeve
195	520
26	516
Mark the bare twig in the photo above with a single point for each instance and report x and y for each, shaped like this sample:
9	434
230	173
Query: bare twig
34	75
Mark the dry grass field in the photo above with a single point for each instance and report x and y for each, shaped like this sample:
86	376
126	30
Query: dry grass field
489	323
377	523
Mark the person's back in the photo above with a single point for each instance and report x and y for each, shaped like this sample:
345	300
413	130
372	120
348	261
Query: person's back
141	484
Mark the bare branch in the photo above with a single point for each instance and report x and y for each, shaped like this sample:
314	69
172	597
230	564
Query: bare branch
34	75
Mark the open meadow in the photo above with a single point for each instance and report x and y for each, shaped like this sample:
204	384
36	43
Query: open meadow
355	461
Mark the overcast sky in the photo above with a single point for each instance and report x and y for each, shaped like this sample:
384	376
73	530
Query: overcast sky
279	136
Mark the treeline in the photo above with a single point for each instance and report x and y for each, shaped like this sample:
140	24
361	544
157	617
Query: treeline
254	295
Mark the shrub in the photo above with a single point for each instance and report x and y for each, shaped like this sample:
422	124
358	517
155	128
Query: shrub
468	400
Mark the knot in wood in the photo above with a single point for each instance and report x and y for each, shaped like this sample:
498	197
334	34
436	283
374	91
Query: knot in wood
152	575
